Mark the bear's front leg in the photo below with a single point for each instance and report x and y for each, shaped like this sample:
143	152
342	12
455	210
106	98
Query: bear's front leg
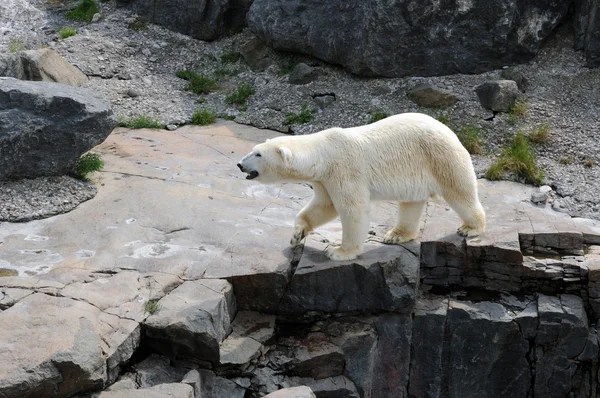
317	212
354	215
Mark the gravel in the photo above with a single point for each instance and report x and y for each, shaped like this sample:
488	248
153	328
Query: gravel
121	61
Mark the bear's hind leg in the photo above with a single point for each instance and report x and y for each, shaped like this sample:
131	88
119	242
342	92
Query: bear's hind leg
317	212
407	228
472	215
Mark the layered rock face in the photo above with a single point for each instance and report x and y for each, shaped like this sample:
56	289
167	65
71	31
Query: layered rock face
46	127
414	37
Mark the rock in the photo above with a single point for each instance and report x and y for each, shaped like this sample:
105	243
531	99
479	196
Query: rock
430	96
208	385
539	197
41	65
383	279
174	390
466	37
46	127
77	359
259	327
324	101
545	189
498	96
156	370
302	74
516	76
133	93
256	55
238	350
193	320
206	20
96	17
292	392
266	118
339	386
171	127
586	21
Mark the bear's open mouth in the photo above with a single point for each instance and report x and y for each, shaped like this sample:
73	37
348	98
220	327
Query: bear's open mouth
252	175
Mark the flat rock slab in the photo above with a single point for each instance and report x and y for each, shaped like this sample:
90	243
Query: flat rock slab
174	390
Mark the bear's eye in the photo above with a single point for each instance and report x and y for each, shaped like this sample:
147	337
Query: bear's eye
258	155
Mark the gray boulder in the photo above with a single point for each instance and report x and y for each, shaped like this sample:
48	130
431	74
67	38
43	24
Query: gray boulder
204	19
431	97
518	77
408	37
302	74
46	127
293	392
173	390
498	95
586	20
40	65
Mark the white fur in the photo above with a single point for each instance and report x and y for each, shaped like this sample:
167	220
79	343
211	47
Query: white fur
407	158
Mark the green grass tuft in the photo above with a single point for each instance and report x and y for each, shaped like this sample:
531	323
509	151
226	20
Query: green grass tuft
84	11
240	96
15	45
469	137
445	118
286	67
204	117
141	122
152	307
197	82
230	57
138	25
303	117
67	32
519	160
566	160
88	163
377	115
519	108
540	134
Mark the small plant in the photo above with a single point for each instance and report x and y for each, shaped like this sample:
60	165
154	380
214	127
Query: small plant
469	137
228	117
377	115
220	73
15	45
152	307
137	25
519	108
519	160
566	160
444	118
204	117
67	32
286	68
240	96
540	134
197	82
88	163
141	122
201	100
304	116
84	11
588	163
230	57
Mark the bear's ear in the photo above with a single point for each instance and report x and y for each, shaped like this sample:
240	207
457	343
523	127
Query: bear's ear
286	153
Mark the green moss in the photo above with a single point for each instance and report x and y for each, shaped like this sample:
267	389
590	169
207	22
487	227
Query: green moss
87	164
197	82
469	137
519	160
84	11
303	117
67	32
141	122
152	307
204	117
240	96
15	45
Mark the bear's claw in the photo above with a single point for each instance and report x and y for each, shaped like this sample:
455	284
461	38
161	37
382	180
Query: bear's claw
469	232
297	238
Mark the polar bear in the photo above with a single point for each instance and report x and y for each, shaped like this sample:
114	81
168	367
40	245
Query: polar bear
407	158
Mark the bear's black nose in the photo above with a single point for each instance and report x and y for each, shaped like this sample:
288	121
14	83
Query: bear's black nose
240	166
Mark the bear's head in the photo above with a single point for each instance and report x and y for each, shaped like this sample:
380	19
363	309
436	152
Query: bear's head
269	162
